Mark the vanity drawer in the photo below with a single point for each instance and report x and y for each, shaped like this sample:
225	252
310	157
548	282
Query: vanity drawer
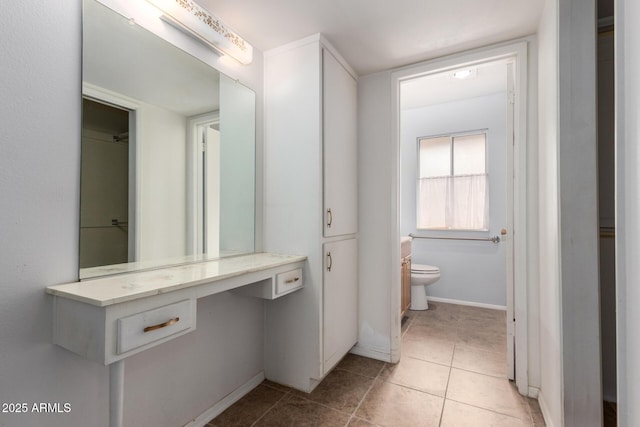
152	325
288	281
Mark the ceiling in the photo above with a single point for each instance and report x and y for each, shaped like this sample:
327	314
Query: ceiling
487	78
376	35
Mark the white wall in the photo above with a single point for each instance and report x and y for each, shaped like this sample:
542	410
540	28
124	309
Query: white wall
483	280
39	184
161	212
628	209
549	258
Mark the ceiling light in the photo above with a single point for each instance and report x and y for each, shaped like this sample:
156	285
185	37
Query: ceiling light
194	19
464	74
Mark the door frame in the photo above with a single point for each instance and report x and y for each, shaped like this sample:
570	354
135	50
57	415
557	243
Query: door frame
195	172
517	296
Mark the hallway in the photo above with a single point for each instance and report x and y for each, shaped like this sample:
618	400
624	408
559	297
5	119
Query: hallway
452	373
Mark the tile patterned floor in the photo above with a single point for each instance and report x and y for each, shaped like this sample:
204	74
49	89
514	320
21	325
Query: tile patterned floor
452	374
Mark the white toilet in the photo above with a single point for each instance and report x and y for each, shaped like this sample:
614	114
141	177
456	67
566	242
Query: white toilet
421	276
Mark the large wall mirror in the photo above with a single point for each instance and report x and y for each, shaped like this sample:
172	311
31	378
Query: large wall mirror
168	153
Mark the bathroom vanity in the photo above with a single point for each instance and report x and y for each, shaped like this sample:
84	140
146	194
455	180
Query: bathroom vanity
405	275
109	319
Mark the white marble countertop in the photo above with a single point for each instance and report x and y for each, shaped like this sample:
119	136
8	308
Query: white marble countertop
116	289
132	267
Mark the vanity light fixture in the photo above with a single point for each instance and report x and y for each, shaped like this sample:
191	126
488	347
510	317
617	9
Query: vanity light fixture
464	74
197	21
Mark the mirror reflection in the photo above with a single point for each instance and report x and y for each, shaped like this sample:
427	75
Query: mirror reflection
168	153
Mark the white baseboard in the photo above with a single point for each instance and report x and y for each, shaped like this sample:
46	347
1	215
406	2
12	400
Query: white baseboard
470	303
544	409
371	353
225	403
533	392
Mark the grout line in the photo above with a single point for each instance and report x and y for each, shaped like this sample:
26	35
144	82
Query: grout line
487	409
366	394
286	393
500	377
446	389
322	405
409	387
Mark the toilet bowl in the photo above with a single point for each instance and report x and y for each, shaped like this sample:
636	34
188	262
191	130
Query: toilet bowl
422	276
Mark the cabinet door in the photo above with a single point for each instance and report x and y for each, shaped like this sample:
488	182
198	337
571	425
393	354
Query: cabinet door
339	148
406	285
340	300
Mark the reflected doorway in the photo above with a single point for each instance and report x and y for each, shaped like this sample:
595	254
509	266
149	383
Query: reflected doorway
104	193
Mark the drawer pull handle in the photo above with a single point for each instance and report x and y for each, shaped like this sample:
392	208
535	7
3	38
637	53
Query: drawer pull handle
329	218
292	280
162	325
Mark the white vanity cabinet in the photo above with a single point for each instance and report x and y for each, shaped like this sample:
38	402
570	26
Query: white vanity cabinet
310	193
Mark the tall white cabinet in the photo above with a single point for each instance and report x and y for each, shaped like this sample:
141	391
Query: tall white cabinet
310	193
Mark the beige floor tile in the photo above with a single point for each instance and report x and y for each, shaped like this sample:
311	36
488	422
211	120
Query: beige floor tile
430	349
457	414
359	422
483	340
480	361
470	312
487	392
361	365
440	330
341	390
418	374
364	392
299	412
483	325
396	406
437	313
248	409
437	306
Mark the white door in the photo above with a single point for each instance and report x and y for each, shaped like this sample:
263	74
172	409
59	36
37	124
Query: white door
340	148
340	300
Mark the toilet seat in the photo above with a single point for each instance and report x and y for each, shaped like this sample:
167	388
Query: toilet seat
424	269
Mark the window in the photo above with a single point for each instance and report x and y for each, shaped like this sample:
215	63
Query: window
453	188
